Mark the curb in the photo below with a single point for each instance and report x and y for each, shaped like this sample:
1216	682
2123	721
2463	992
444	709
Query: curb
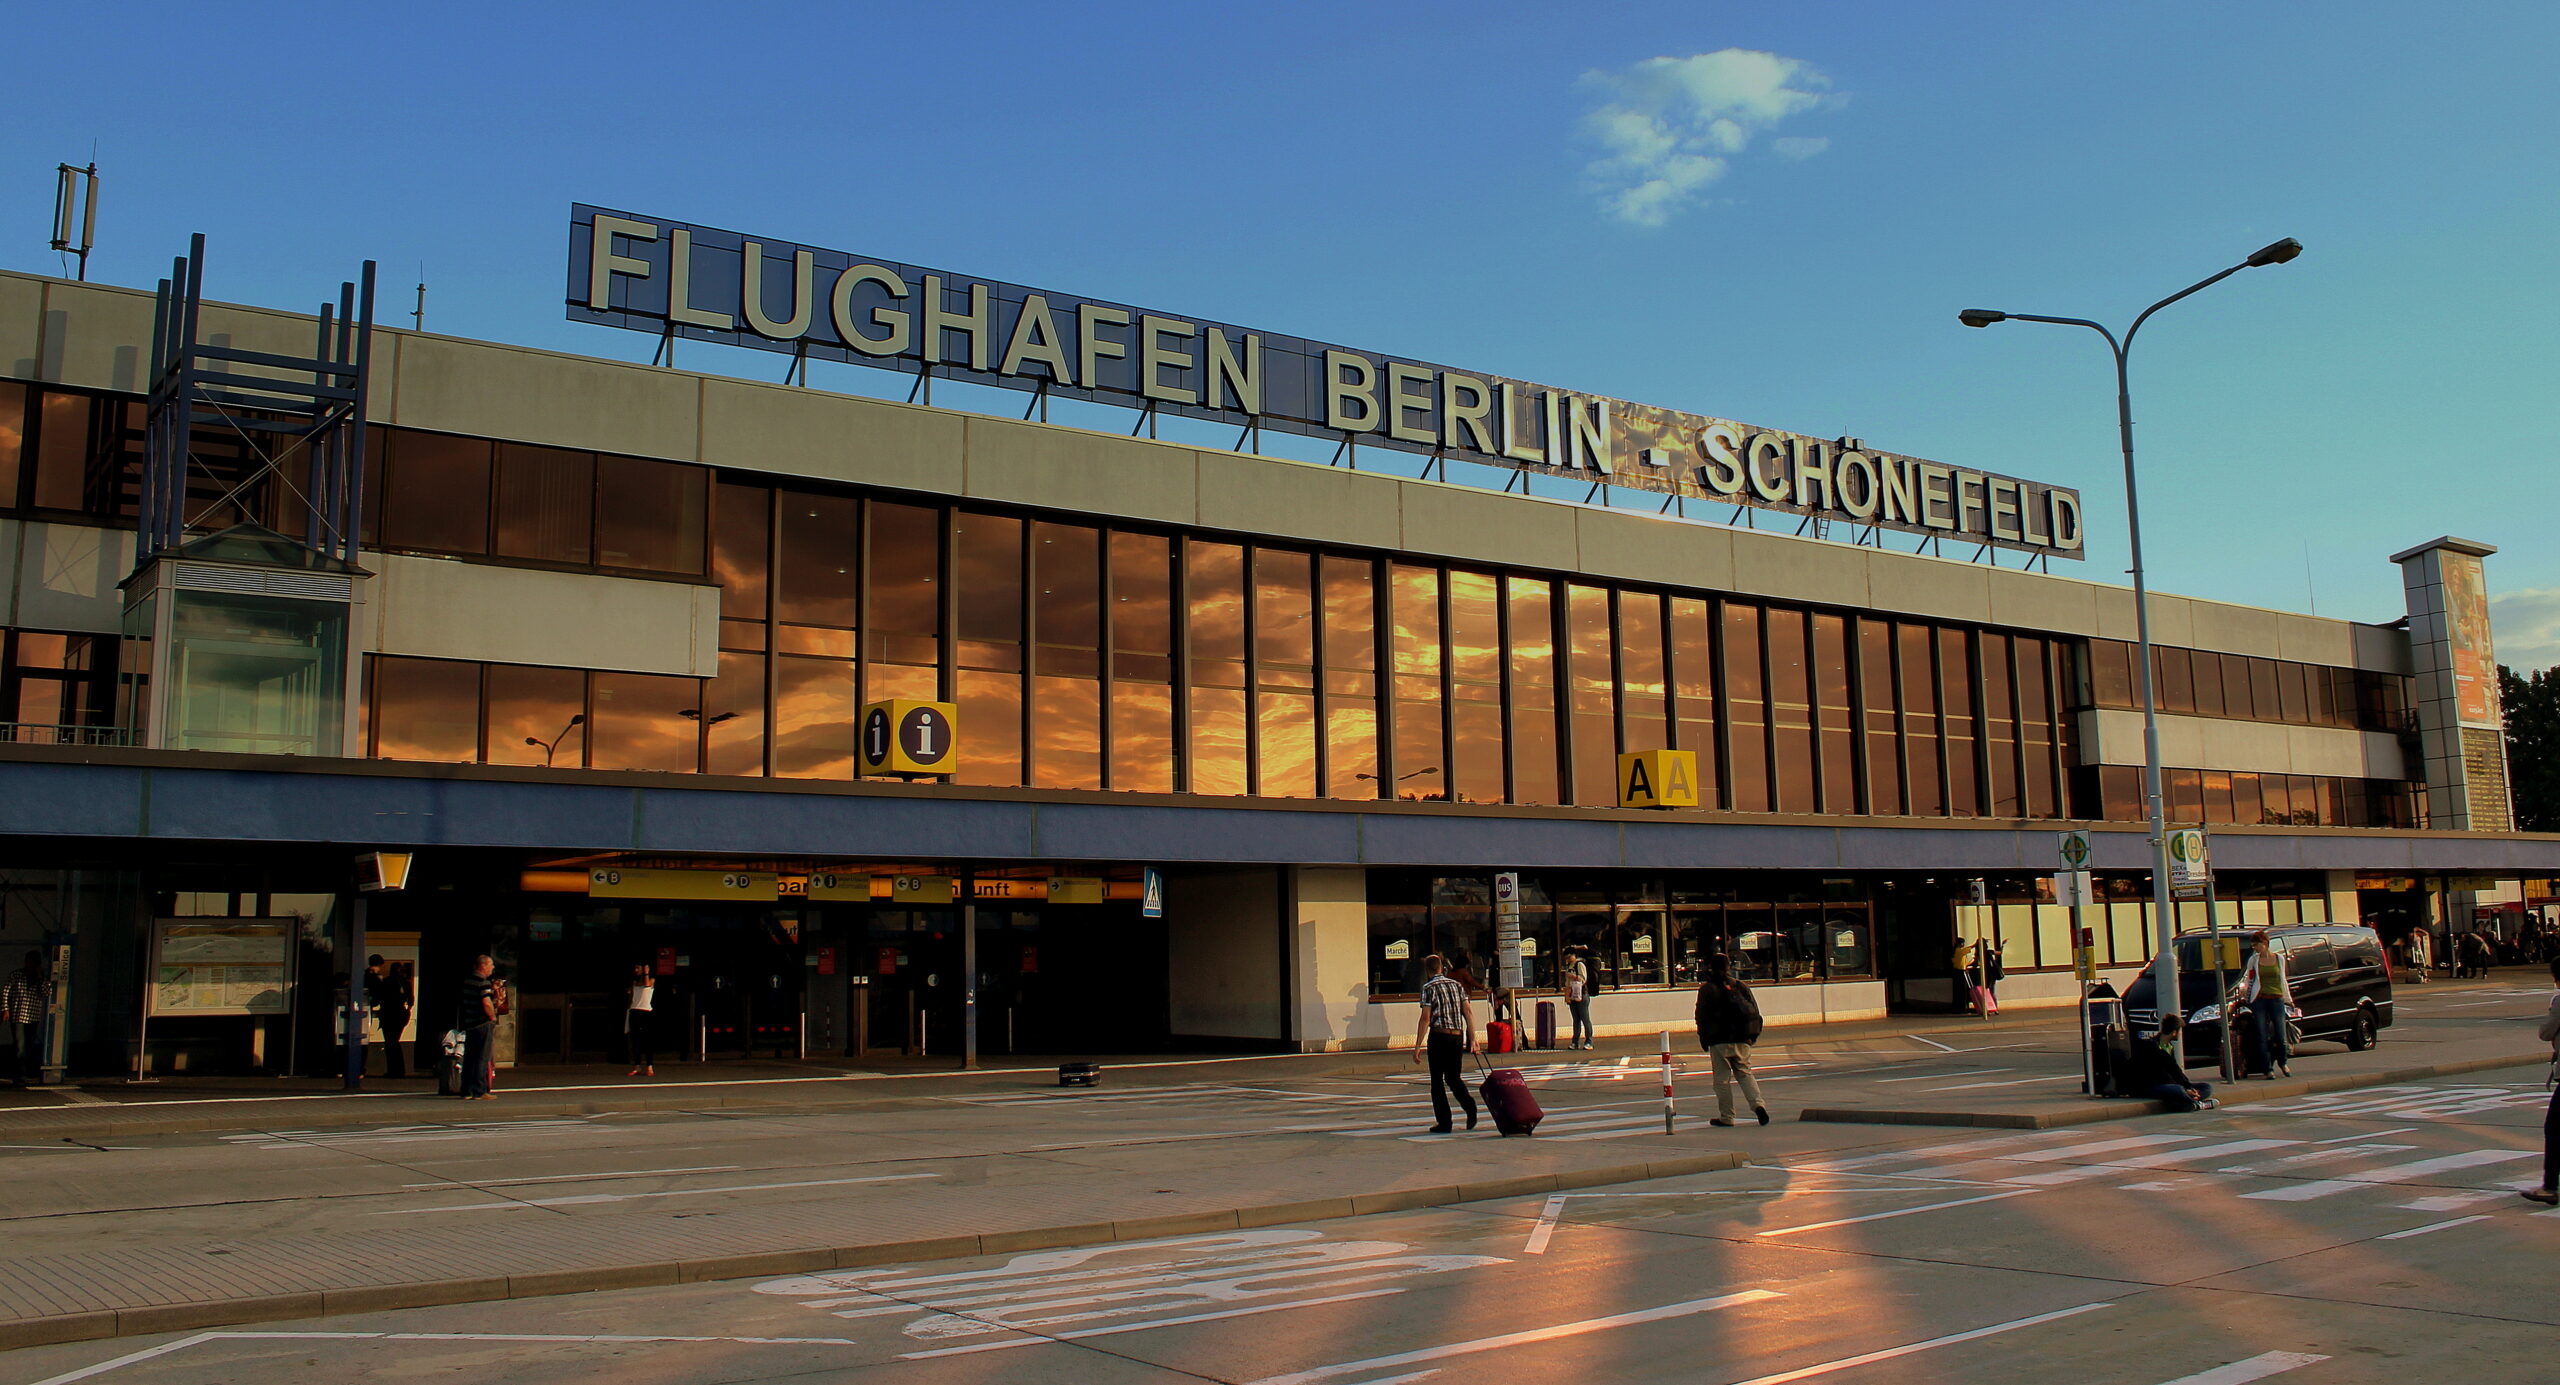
190	1317
2233	1094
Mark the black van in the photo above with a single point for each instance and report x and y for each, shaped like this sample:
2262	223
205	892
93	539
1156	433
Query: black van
2341	986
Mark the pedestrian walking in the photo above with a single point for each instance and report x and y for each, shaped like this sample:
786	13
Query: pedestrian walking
2421	953
1728	1025
386	991
476	1015
639	1022
2549	1033
23	1002
2158	1070
1577	994
2264	989
1445	1034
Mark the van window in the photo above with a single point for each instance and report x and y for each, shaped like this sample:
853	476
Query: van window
2356	947
2308	954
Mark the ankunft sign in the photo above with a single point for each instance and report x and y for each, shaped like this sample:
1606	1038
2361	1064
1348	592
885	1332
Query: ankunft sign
677	279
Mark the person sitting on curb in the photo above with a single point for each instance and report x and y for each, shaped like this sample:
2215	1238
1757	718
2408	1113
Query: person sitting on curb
2158	1070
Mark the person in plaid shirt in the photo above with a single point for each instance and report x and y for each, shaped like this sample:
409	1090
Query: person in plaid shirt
22	1005
1446	1033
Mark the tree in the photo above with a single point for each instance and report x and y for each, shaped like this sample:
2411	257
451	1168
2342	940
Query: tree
2532	705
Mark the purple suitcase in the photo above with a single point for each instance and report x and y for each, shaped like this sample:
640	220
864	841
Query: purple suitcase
1546	1024
1507	1098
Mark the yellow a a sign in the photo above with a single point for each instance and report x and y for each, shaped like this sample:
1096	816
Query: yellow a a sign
1658	779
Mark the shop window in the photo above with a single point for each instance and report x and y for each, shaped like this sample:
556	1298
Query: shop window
1475	687
546	503
438	494
650	516
1463	936
1531	618
426	709
536	716
1350	645
1591	700
1419	769
1399	938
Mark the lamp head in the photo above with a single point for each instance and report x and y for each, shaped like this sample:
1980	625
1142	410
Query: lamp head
1980	317
2277	253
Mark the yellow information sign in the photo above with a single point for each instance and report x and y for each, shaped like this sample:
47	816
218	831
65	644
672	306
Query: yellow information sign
837	885
913	738
1658	779
1075	889
612	882
920	889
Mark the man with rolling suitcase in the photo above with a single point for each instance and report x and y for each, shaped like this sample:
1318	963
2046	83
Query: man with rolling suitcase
1446	1035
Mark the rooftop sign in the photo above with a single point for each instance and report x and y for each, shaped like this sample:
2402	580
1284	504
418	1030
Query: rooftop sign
677	279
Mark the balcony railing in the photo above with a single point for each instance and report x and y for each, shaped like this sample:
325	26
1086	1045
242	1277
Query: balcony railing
49	733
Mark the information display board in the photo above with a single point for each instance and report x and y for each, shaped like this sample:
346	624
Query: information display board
221	966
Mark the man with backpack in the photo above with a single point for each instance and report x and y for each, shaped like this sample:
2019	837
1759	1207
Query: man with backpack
1728	1025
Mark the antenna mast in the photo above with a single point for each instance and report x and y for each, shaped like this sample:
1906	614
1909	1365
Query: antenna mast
76	190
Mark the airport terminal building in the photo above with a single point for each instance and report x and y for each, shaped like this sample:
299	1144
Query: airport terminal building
1239	738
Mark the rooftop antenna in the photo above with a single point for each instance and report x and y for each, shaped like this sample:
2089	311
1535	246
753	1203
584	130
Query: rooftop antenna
418	314
76	190
2308	584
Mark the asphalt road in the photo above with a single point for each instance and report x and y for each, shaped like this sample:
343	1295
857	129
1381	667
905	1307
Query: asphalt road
2372	1235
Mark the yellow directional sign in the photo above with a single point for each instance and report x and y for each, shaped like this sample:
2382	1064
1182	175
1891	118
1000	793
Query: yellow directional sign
614	882
903	737
1658	779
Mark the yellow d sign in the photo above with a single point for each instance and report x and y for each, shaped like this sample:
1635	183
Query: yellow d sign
1658	779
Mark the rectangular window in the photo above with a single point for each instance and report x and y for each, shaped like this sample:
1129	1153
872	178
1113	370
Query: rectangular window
1350	677
641	721
1791	710
1534	777
62	453
546	503
2217	795
2294	693
1475	686
2207	671
1955	708
1143	755
1284	643
2173	676
1746	708
2110	673
1643	700
1213	581
733	711
439	494
1920	720
1832	714
2120	794
1066	718
905	591
2039	758
814	568
2246	807
426	709
1693	689
986	574
1876	717
813	713
741	554
1066	731
13	437
1419	770
2264	701
1591	685
538	716
1999	727
649	515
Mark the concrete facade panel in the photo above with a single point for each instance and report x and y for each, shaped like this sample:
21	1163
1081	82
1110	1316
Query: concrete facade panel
2234	629
1329	959
1497	843
2308	640
21	327
67	576
1639	548
2028	601
1675	844
370	810
438	608
95	337
1454	522
830	437
1922	848
1300	500
534	396
832	824
1065	469
1787	568
2380	648
1928	587
65	800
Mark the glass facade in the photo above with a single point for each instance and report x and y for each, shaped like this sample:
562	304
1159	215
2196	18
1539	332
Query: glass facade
2197	682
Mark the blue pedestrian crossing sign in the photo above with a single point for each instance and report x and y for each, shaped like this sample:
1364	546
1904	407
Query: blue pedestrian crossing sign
1151	903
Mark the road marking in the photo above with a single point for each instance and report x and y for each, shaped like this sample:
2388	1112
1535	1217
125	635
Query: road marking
1515	1339
167	1348
1942	1048
2105	1167
2013	1082
2317	1156
2397	1173
2432	1227
1889	1353
591	1199
566	1177
1927	1076
1546	1226
2255	1368
1940	1150
1081	1333
2366	1135
1905	1212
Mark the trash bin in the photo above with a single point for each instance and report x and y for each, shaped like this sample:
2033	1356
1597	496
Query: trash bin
2110	1045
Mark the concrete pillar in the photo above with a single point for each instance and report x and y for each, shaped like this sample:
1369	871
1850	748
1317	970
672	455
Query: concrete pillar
2461	733
1328	956
2343	906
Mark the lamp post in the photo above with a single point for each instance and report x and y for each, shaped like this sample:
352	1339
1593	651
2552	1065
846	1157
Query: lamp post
2164	963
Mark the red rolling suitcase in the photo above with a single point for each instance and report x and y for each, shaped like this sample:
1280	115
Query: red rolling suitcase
1500	1036
1507	1098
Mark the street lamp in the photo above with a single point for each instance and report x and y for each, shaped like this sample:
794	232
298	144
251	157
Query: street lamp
551	747
2165	963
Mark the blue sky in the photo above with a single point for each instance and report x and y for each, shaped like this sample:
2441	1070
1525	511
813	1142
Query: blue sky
1515	188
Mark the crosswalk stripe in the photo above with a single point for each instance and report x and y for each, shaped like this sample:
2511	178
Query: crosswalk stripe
1868	1161
2105	1168
2061	1154
2255	1368
2397	1173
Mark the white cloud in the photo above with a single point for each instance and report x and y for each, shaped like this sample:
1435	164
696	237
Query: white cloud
1671	127
2525	627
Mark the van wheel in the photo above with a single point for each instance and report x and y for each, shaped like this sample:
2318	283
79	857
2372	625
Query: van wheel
2365	1032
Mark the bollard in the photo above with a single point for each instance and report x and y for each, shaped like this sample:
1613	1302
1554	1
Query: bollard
1667	1109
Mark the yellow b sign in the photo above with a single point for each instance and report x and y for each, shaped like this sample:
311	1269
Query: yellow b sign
1658	779
902	737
